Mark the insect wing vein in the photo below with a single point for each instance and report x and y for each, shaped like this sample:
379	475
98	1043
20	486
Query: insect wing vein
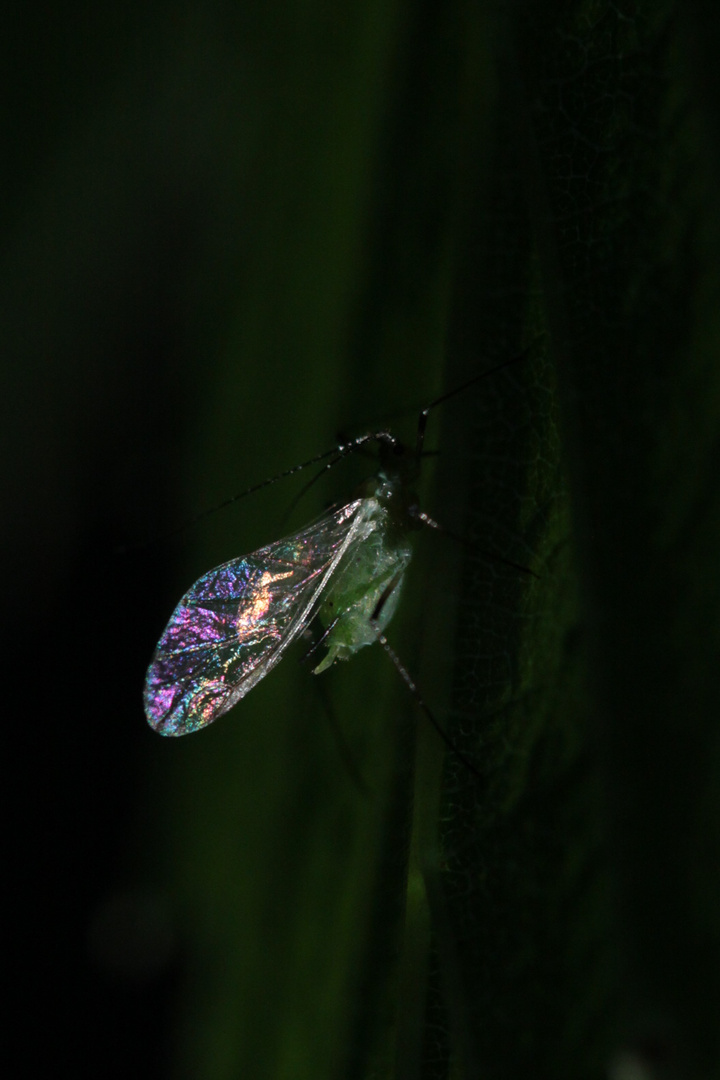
236	621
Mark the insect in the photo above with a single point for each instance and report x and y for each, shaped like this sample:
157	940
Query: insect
347	569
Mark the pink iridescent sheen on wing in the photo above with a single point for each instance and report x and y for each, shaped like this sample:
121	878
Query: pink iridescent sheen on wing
236	621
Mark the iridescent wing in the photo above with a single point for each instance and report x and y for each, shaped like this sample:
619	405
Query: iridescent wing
234	624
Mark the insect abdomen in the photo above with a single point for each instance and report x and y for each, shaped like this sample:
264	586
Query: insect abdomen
365	594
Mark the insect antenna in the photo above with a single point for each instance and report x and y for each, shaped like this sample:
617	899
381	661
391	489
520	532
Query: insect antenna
423	417
336	454
310	484
342	451
383	436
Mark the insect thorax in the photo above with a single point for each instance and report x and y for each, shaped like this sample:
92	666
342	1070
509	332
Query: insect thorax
364	594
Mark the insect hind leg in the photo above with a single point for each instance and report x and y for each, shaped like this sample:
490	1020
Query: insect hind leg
407	678
419	700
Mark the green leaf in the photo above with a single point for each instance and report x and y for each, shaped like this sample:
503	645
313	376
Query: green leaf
440	188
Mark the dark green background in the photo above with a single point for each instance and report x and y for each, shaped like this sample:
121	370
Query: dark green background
231	233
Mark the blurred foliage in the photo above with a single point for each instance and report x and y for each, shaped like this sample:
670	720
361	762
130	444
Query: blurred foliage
231	234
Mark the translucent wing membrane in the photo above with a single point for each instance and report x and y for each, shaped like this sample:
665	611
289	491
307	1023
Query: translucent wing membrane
234	624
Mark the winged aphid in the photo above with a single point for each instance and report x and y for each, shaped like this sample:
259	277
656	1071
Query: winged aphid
346	568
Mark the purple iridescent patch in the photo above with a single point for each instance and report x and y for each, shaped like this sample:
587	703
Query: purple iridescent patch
236	621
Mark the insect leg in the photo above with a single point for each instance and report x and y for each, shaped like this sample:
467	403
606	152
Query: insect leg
420	515
323	637
412	687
